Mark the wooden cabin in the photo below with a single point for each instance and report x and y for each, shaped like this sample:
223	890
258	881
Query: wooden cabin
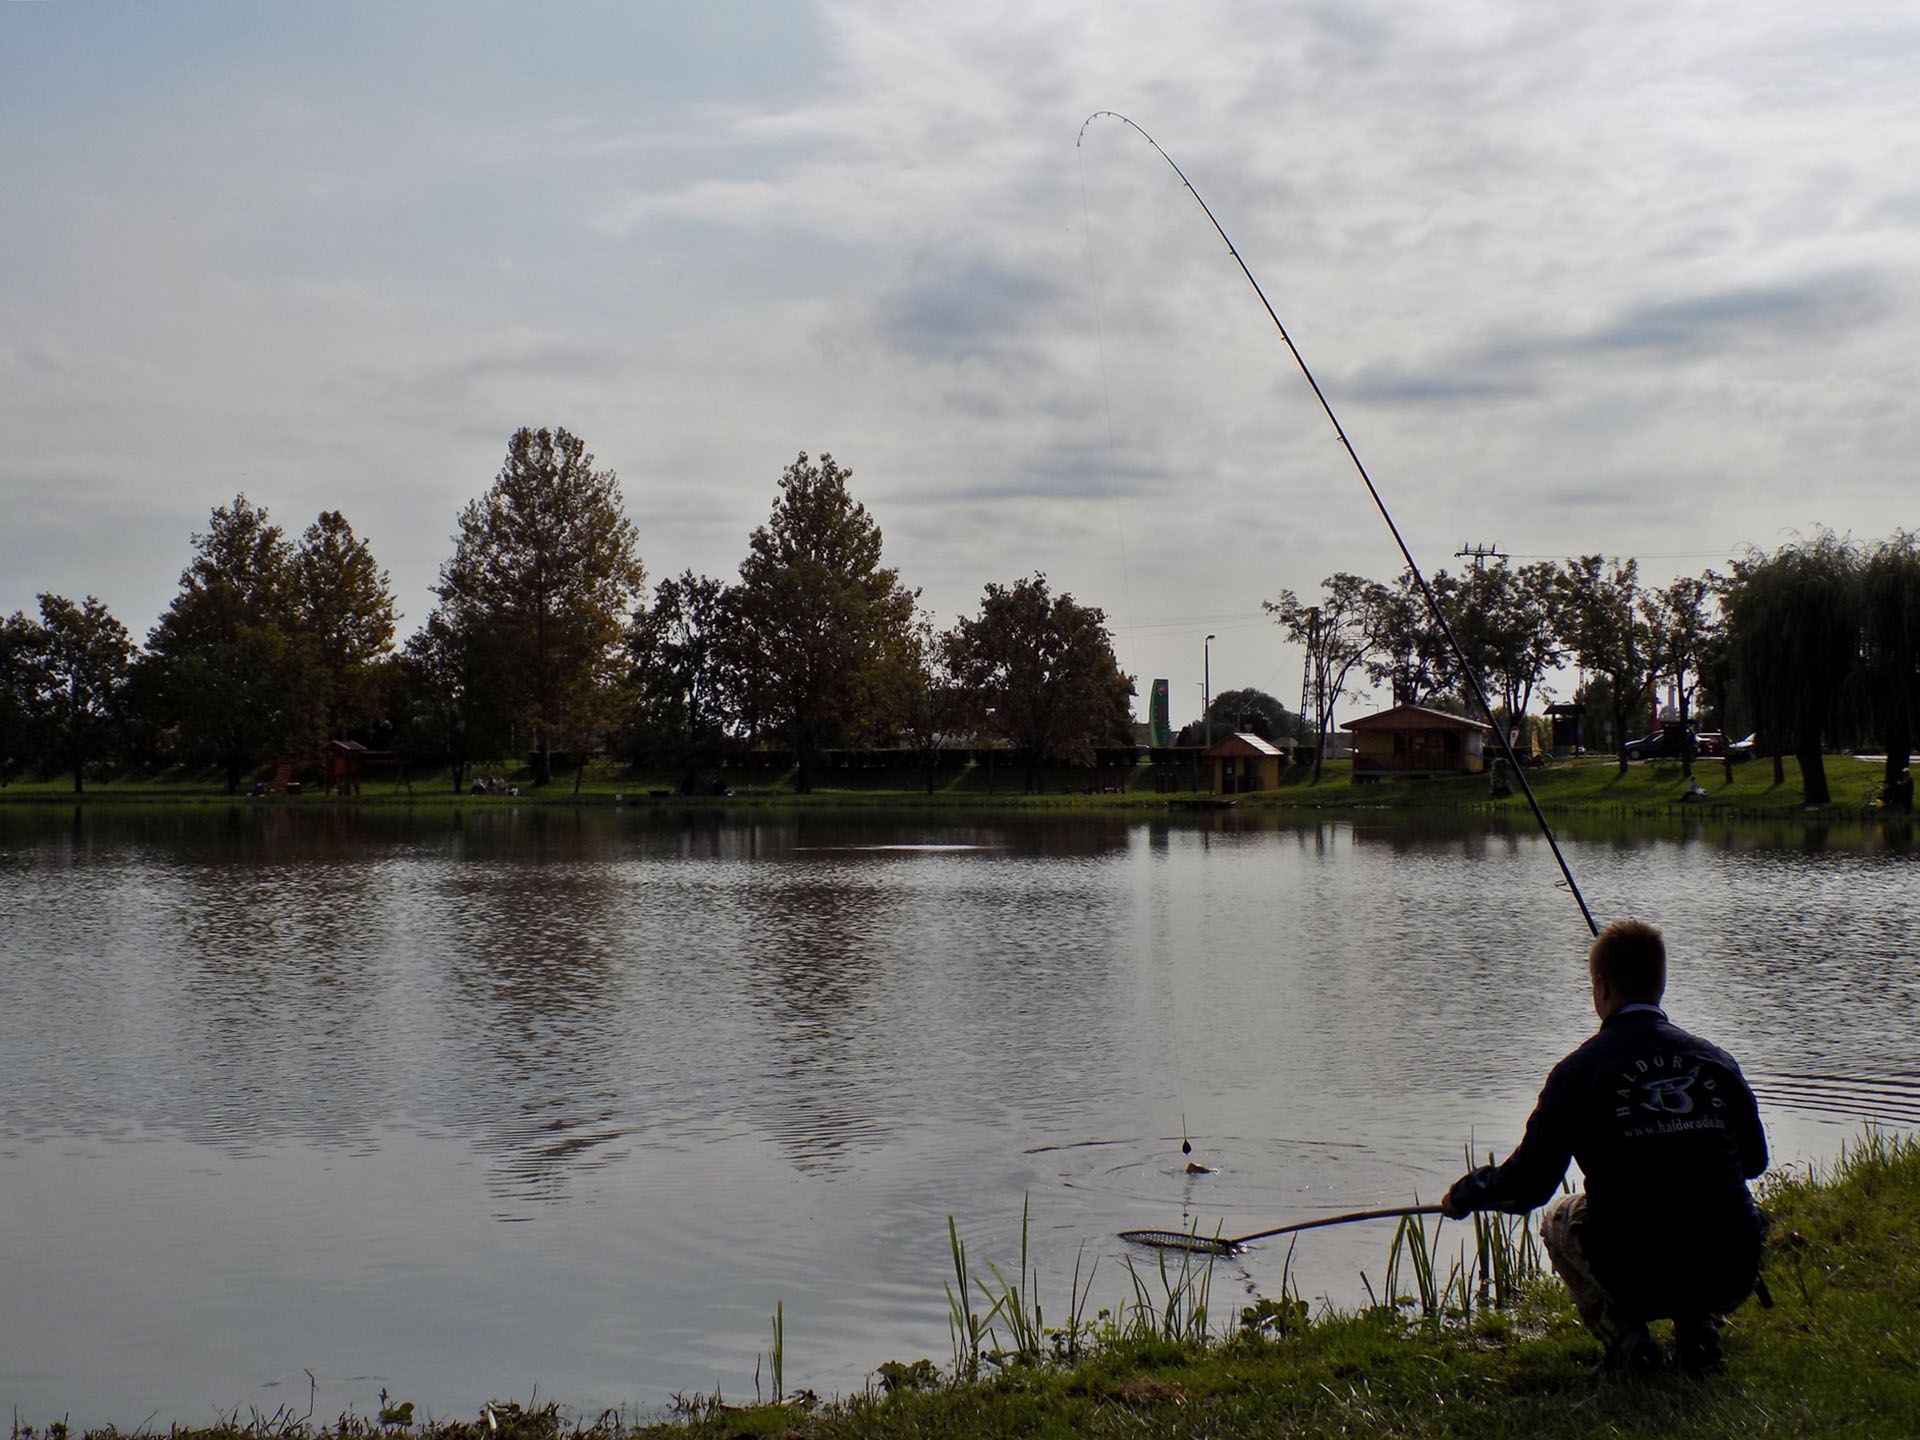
1413	740
1242	762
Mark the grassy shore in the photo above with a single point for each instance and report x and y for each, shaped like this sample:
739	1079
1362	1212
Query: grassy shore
1592	785
1838	1355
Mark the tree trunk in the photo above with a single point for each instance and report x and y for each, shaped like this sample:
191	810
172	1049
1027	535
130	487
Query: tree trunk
235	764
1779	769
543	758
78	766
1813	772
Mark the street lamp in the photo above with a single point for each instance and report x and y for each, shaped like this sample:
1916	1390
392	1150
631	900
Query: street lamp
1206	687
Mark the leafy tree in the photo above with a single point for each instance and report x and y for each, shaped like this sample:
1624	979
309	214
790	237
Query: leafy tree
1505	621
85	658
1603	627
1253	711
929	704
1338	634
1682	623
21	642
1410	655
226	667
444	697
544	574
1795	627
817	617
1890	614
344	613
1039	671
682	685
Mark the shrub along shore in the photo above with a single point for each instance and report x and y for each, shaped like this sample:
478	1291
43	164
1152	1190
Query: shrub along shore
1837	1355
1592	785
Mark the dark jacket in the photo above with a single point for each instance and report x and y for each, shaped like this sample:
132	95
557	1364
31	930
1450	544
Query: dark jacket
1667	1134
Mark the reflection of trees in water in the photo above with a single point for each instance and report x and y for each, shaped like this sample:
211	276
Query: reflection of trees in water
231	984
816	980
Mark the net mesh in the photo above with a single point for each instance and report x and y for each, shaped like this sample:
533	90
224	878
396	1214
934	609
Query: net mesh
1179	1240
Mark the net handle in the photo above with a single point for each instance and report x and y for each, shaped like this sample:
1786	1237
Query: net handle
1174	1239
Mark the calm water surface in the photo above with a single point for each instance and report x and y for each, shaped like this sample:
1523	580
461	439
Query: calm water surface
465	1105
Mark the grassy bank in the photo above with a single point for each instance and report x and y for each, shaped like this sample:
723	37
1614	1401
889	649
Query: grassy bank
1838	1355
1587	786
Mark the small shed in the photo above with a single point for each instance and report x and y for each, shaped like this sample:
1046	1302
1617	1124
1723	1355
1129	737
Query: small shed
1413	740
1241	762
344	762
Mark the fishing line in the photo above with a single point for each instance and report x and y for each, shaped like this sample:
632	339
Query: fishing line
1420	579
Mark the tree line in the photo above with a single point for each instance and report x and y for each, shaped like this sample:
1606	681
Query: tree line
544	642
1815	647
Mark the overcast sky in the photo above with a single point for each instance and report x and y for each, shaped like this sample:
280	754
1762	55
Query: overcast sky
1629	278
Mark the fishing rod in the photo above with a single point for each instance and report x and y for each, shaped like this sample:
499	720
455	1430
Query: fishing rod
1420	579
1216	1245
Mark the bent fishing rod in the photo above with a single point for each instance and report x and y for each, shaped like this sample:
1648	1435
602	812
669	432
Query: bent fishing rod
1420	579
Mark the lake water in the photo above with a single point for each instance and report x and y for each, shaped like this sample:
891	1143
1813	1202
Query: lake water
469	1104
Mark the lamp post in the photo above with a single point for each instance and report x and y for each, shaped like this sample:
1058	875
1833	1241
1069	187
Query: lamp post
1206	688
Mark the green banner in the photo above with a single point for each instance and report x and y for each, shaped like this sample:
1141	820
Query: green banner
1159	732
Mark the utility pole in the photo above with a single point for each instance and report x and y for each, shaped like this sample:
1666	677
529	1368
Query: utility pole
1206	687
1480	554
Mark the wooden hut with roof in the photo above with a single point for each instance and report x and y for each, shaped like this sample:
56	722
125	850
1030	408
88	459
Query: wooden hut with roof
1243	761
1414	740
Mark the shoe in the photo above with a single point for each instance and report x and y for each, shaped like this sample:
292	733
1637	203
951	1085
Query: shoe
1697	1347
1634	1353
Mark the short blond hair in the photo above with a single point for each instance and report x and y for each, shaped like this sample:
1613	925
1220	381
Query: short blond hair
1632	958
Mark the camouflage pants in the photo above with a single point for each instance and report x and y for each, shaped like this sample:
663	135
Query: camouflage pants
1561	1229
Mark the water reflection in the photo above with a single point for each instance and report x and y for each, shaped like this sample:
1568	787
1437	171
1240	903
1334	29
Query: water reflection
714	1059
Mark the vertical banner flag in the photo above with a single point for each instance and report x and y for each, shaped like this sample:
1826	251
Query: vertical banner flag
1159	734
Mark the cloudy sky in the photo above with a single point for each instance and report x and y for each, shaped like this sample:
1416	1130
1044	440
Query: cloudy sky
1632	278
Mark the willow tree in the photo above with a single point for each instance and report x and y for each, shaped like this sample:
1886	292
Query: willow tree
1794	625
817	619
544	575
1890	617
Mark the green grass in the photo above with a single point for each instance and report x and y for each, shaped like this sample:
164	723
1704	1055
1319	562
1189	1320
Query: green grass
1591	786
1839	1355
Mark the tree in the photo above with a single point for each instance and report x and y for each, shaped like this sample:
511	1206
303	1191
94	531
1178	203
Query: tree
21	642
344	613
85	658
681	684
1039	671
1410	655
1890	615
1603	627
544	574
226	671
1795	627
444	698
928	702
1505	622
1253	711
816	617
1337	634
1682	621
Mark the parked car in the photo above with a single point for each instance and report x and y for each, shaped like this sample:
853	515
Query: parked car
1669	742
1714	745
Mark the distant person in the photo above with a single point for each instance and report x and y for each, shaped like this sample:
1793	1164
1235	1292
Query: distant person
1667	1134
